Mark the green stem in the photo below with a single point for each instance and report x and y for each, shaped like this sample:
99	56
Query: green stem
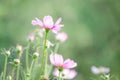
18	72
27	56
13	73
59	76
18	68
46	60
31	66
44	55
5	67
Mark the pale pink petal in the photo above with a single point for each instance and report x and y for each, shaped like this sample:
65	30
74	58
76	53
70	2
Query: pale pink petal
62	36
34	22
99	70
70	74
55	29
69	64
48	22
57	26
56	72
37	22
31	37
95	70
52	59
58	21
104	70
58	59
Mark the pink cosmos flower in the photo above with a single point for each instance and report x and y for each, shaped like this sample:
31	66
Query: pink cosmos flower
48	23
31	37
57	60
99	70
65	74
61	36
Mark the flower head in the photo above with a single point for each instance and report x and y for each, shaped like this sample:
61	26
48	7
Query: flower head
66	73
57	60
35	55
19	49
61	36
16	61
99	70
48	23
7	53
31	37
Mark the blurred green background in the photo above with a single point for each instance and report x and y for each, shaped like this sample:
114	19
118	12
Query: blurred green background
93	27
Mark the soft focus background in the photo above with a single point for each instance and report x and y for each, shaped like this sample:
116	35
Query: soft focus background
93	27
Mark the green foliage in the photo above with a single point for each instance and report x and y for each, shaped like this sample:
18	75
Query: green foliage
92	27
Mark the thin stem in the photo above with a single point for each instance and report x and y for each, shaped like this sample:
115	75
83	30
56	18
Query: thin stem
31	66
18	72
59	76
44	60
27	56
18	68
5	67
13	73
27	63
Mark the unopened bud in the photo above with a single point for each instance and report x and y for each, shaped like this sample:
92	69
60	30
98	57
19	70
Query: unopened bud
19	49
7	53
16	62
60	69
35	55
28	75
31	37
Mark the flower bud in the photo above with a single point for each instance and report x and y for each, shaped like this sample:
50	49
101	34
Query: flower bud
16	62
60	69
31	37
35	55
7	53
28	75
19	49
9	78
